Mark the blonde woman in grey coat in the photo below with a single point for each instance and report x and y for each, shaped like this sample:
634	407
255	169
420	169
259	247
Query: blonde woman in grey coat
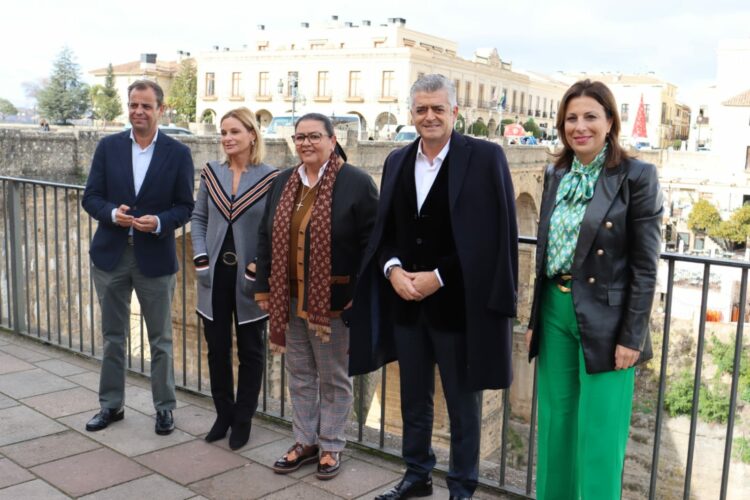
230	203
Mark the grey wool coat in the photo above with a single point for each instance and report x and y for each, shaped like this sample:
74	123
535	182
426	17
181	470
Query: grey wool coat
213	213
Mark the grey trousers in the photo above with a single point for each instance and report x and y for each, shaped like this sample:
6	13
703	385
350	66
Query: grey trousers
115	290
319	384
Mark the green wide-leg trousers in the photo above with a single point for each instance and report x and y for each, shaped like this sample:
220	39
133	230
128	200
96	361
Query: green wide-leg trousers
583	419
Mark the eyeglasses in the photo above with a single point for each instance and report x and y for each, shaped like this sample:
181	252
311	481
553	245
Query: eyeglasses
314	138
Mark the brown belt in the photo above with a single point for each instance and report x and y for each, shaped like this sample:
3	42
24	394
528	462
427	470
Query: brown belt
563	282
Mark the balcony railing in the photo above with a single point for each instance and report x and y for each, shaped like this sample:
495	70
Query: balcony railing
46	292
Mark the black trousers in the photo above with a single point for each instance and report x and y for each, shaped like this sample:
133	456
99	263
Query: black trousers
250	352
419	347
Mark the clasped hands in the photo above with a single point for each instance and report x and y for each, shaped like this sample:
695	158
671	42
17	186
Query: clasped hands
414	286
145	223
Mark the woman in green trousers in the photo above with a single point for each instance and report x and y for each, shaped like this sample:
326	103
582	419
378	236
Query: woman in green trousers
596	263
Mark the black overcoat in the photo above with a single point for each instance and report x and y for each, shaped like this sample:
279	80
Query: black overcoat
483	220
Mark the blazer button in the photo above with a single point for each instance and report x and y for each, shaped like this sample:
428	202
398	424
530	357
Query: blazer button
608	224
419	241
600	252
592	280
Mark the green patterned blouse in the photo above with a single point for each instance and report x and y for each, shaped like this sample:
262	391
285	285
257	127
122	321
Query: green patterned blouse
573	195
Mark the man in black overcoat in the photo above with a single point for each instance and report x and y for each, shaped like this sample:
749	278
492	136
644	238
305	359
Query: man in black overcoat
438	285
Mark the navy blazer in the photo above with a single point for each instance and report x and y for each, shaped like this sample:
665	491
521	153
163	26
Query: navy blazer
614	265
483	219
167	192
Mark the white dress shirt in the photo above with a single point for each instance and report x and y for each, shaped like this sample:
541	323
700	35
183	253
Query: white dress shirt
425	173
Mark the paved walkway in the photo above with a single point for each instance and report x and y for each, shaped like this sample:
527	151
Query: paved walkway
47	395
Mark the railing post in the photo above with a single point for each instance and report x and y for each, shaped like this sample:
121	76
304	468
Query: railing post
18	280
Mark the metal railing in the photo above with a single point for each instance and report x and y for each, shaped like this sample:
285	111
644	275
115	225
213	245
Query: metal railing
46	292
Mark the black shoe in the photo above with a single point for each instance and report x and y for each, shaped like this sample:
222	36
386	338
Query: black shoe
329	471
407	489
105	417
164	422
218	430
303	455
240	435
454	497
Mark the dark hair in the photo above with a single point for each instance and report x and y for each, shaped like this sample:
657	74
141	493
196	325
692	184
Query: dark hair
148	84
327	123
601	94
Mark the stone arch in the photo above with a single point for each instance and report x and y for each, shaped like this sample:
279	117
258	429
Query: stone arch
363	123
385	126
526	213
208	116
263	116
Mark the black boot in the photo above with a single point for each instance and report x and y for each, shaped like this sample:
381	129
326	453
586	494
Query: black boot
240	434
218	430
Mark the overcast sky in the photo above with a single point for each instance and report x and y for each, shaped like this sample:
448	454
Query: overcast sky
675	39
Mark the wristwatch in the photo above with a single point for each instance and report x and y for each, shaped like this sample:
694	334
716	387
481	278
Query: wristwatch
390	269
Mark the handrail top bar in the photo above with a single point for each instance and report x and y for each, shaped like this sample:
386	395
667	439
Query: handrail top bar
41	183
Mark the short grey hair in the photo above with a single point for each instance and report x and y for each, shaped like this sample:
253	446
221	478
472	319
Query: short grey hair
432	83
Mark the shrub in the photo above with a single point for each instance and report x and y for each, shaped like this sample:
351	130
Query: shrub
678	399
714	403
741	449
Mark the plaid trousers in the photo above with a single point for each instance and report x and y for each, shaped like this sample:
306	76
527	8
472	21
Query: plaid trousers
319	385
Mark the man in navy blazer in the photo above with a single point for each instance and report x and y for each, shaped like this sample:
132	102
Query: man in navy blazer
140	190
438	285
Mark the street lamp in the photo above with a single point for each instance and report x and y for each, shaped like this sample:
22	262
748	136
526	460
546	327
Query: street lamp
293	84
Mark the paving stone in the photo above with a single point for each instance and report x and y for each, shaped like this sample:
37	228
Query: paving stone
64	403
73	474
267	454
31	383
20	423
6	402
48	448
140	399
153	486
89	380
259	436
193	461
36	490
10	364
131	436
251	481
59	367
303	491
355	479
194	419
11	474
24	353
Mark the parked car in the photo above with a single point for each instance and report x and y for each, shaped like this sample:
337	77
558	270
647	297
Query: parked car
407	134
169	130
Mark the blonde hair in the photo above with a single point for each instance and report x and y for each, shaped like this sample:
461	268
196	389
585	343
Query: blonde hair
247	118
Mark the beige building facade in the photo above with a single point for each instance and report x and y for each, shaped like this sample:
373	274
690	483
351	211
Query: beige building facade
366	69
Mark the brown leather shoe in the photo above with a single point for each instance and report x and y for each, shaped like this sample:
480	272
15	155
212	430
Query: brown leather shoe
329	465
297	456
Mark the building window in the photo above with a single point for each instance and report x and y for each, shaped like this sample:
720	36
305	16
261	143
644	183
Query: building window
523	101
387	86
664	117
513	103
646	108
467	94
355	78
457	83
263	83
624	112
236	83
480	96
747	160
210	81
323	84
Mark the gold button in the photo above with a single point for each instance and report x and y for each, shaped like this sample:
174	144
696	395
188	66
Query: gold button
592	280
600	252
608	224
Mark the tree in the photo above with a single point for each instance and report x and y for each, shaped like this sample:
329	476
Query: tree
7	108
65	97
531	126
704	217
104	98
184	90
734	231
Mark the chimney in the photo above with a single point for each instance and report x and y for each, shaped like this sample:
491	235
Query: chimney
261	27
366	22
304	25
216	48
334	18
348	24
148	59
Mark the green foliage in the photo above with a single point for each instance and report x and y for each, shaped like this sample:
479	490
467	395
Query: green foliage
183	92
531	126
7	108
723	356
677	144
741	449
105	100
704	217
714	403
460	125
64	97
678	399
478	128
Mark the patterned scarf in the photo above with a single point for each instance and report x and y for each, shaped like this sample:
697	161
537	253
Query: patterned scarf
573	195
318	275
